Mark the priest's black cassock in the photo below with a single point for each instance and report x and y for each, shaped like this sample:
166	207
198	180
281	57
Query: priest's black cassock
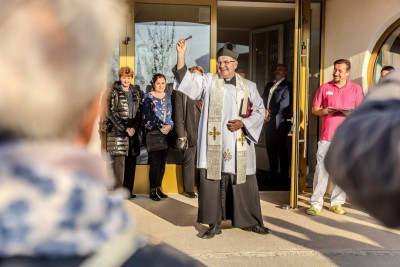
227	198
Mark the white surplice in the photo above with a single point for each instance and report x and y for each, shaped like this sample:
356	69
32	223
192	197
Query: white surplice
197	87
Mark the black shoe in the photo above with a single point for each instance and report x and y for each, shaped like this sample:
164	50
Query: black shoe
260	230
160	193
132	196
153	195
214	229
190	194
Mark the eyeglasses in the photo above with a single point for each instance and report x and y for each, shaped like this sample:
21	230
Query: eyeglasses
226	62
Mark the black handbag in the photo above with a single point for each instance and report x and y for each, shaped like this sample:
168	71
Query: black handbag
155	141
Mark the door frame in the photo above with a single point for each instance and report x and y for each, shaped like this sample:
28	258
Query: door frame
280	29
300	96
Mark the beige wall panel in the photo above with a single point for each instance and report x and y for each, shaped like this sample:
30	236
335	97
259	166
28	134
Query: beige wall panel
351	31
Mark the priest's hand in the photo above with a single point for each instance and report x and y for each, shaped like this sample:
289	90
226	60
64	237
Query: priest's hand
234	125
180	52
181	46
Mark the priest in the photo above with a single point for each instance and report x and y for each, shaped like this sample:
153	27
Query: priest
225	151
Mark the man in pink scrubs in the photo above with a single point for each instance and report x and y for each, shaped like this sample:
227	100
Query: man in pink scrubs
333	101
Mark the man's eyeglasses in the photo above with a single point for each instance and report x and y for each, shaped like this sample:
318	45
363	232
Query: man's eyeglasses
226	62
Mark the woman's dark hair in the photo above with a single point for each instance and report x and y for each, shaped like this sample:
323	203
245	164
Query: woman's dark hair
156	77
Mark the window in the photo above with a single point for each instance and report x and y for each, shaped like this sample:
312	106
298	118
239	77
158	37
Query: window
158	27
386	52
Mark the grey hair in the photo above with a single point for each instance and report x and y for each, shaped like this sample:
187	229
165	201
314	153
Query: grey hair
53	62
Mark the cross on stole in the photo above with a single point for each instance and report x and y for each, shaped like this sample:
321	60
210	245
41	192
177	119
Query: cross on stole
242	139
214	133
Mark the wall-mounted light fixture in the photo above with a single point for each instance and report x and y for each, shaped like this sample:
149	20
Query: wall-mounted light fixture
126	40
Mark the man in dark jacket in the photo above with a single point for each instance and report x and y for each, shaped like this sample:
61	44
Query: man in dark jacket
186	113
277	102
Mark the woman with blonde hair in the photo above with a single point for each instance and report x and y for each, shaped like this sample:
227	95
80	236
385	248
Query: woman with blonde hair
122	140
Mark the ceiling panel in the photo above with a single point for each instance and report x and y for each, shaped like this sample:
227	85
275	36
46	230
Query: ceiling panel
252	17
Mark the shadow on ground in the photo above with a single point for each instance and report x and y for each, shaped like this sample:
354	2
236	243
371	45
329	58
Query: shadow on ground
173	211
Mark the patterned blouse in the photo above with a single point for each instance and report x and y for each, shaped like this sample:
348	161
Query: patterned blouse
153	111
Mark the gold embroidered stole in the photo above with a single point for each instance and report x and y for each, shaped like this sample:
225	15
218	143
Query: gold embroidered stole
214	130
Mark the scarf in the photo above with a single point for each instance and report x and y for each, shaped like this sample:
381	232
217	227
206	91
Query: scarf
214	130
54	201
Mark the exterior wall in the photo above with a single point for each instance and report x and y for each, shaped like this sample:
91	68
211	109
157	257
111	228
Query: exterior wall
352	28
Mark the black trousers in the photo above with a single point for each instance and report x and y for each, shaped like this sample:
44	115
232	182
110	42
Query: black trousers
157	161
278	155
189	169
124	168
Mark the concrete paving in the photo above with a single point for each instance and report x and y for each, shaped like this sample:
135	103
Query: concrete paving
354	239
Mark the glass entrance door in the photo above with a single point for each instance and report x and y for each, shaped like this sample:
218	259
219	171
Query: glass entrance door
267	51
307	69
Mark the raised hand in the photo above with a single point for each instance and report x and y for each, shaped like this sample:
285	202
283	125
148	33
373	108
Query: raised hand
180	51
181	46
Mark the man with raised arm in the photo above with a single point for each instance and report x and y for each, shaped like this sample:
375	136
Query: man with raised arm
226	156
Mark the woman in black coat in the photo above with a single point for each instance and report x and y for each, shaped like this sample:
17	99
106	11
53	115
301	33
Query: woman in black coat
124	112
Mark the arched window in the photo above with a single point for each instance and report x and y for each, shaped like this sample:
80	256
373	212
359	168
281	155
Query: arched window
385	53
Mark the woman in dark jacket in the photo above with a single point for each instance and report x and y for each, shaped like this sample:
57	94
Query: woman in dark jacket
157	110
123	110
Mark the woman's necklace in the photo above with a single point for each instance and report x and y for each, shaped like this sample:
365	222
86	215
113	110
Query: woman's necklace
158	95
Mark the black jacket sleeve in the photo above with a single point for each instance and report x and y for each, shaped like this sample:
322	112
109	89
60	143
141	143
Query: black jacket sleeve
112	113
179	74
138	117
178	113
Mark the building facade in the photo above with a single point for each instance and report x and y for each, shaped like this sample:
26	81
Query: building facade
307	36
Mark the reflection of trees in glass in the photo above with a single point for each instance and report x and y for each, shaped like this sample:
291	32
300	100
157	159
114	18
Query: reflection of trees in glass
114	67
159	43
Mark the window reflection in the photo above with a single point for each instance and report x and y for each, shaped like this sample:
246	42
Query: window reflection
389	54
113	67
155	48
158	27
156	34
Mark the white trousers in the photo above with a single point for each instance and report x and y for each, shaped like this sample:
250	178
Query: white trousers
321	178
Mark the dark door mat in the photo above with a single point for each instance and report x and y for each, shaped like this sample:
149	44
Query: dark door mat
267	183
